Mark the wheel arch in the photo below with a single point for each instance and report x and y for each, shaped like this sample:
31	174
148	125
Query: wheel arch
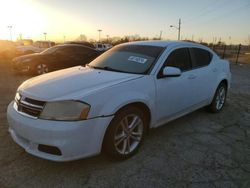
225	81
140	105
146	110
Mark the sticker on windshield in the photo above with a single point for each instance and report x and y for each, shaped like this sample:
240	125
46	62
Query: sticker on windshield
137	59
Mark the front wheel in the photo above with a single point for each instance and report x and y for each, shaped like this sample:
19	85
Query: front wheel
125	133
219	98
42	69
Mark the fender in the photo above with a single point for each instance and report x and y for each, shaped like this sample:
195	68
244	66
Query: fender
225	74
108	102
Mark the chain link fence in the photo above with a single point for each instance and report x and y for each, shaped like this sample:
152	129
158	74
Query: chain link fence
234	53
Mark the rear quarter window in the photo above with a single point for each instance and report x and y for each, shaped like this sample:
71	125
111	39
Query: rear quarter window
200	57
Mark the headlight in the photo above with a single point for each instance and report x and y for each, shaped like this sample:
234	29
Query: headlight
65	110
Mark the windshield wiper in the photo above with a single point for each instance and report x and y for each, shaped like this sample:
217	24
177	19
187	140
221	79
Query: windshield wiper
106	68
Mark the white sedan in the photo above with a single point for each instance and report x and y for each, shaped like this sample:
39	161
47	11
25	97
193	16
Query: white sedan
110	104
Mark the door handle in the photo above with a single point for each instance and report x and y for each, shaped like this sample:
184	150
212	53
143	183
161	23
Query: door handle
192	76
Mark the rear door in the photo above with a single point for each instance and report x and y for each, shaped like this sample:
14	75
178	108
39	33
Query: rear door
203	73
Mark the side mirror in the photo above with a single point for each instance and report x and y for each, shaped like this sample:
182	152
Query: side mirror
171	72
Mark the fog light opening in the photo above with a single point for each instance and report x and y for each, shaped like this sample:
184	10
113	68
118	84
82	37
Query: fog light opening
49	149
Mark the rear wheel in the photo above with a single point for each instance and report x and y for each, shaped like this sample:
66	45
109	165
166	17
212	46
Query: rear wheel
219	98
42	68
125	133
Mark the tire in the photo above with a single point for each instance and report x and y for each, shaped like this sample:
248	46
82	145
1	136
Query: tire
219	99
125	133
41	68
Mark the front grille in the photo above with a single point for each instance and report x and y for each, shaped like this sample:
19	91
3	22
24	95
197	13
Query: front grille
29	106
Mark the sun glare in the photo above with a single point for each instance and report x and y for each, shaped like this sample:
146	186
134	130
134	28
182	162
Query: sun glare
20	17
30	19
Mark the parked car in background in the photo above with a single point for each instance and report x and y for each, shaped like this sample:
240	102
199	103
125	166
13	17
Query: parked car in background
81	43
29	48
110	104
54	58
102	47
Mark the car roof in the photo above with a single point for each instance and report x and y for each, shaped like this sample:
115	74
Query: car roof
74	45
162	43
84	43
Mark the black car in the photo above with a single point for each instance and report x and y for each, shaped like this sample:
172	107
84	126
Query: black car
54	58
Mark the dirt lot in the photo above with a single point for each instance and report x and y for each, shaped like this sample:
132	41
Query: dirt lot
198	150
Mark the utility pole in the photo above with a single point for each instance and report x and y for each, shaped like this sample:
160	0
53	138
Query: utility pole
249	39
10	27
178	28
99	30
160	35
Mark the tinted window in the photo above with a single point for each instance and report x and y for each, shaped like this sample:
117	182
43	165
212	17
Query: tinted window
66	51
128	58
179	58
200	57
86	52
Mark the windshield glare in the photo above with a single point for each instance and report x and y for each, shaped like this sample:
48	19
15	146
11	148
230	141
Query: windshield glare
50	50
135	59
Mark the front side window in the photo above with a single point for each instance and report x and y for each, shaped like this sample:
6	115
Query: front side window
200	57
179	58
136	59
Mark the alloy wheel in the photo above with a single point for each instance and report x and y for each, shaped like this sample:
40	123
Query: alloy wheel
128	134
42	69
220	98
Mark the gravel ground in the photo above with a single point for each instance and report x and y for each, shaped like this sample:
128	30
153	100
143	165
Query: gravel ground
198	150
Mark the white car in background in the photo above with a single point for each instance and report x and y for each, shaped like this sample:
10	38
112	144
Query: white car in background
102	47
110	104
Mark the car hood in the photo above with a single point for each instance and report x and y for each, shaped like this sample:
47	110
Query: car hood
72	83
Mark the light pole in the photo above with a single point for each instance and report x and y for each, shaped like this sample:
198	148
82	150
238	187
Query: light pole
99	30
178	28
10	27
20	36
45	34
107	38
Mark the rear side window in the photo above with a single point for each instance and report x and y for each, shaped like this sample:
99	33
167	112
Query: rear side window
179	58
200	57
66	51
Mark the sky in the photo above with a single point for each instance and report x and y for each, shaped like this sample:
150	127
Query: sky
206	20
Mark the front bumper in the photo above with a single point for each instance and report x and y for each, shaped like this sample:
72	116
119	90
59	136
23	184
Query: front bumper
75	139
19	67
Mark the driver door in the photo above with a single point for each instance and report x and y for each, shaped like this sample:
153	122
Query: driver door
174	93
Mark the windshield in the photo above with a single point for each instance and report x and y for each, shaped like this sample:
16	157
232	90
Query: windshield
50	50
135	59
